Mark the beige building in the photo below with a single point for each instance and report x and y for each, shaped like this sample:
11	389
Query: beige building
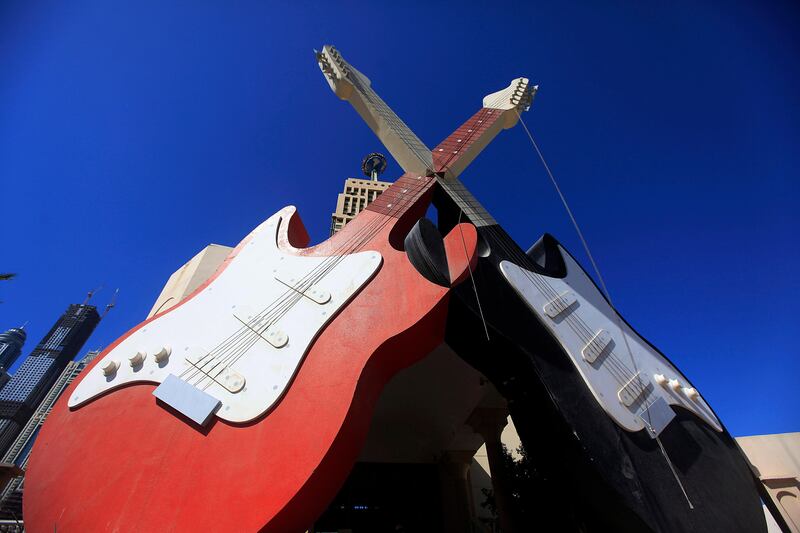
776	460
357	195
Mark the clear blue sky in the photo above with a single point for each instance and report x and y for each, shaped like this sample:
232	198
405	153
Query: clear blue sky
131	136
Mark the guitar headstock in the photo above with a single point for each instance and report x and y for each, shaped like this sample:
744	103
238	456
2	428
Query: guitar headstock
512	100
338	72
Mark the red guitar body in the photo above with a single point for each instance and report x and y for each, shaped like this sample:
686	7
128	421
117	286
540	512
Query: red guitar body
125	463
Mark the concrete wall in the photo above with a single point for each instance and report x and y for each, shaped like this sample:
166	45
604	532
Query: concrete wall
190	276
776	459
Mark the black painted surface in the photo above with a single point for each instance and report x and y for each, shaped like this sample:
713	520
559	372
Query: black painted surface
599	476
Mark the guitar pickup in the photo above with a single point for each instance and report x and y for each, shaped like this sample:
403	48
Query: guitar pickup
260	325
595	347
632	390
559	305
313	293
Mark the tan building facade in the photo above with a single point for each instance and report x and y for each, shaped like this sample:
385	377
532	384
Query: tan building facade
357	195
776	459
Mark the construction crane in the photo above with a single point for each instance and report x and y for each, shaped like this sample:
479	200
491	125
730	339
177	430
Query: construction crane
111	304
91	293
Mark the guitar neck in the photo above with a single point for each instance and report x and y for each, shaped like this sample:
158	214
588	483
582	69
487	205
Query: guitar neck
403	195
450	158
407	149
457	151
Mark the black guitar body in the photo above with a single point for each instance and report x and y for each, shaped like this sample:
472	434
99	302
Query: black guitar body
592	474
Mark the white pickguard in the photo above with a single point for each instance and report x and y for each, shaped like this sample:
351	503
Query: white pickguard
210	327
598	350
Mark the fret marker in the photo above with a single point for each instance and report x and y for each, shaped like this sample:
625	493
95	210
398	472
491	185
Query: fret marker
441	149
458	141
469	131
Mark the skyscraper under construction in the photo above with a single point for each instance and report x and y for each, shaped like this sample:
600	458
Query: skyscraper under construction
26	389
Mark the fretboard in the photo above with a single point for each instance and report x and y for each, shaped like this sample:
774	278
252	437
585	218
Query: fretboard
472	208
401	195
457	151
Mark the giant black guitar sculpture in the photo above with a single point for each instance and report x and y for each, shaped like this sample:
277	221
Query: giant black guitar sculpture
620	439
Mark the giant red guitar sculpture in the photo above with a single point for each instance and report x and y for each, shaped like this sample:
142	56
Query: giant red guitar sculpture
267	375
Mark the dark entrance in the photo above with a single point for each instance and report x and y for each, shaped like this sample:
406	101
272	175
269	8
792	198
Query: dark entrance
384	497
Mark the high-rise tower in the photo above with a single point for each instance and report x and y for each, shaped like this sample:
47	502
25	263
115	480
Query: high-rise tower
23	393
11	346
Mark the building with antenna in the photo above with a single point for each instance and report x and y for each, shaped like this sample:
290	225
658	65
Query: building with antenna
359	193
11	346
29	385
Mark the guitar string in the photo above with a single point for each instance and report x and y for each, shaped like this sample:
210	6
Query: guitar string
619	373
357	245
294	298
393	122
273	319
619	320
377	105
391	119
568	321
355	242
617	370
585	247
471	277
293	295
576	323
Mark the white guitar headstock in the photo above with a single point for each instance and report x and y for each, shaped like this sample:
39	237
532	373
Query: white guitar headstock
512	100
338	72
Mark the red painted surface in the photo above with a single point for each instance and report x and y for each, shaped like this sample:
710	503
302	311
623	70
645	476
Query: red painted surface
123	463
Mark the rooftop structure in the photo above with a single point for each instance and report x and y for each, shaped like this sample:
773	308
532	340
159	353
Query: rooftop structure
11	346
